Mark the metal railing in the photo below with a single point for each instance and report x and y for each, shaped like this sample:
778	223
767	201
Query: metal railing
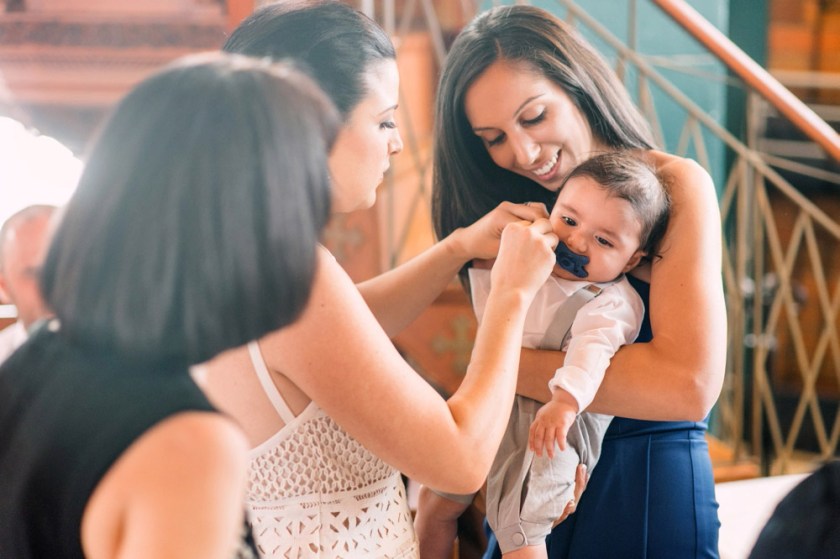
782	239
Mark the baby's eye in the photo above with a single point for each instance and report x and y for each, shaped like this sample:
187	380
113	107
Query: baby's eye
603	242
569	221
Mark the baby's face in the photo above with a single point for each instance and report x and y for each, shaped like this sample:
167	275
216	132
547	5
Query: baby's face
601	232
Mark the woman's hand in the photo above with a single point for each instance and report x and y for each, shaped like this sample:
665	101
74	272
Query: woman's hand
581	479
398	296
481	239
526	256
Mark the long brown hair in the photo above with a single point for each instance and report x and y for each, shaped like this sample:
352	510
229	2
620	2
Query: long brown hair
331	41
195	223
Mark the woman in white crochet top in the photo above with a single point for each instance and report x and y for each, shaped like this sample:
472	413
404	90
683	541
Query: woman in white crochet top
333	412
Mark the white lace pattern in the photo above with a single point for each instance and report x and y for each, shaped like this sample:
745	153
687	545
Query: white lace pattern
316	492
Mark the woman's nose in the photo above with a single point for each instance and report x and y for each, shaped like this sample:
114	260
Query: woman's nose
395	144
525	151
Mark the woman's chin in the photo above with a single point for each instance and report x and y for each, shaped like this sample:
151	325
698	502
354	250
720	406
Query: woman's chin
552	185
344	206
368	202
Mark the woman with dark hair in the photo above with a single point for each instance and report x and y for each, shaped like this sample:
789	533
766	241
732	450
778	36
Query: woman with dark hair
332	411
193	230
522	100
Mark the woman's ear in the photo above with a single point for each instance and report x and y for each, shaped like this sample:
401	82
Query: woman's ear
634	260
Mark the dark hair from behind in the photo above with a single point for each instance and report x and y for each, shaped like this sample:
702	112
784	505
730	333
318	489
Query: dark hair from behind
467	184
195	223
624	175
806	522
332	41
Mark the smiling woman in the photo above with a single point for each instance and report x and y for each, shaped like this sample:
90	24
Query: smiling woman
523	98
529	125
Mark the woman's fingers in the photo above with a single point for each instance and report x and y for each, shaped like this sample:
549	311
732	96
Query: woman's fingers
544	227
529	210
481	239
526	253
581	479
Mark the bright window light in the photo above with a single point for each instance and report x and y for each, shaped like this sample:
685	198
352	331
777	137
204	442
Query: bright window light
34	169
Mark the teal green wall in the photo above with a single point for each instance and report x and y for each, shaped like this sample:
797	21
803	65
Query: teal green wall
748	21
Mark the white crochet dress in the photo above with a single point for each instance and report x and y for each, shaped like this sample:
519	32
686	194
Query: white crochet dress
314	491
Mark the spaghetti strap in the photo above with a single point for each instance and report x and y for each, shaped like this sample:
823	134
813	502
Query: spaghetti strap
268	386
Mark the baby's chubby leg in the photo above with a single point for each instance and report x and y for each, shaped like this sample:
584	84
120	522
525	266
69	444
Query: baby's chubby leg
528	552
436	523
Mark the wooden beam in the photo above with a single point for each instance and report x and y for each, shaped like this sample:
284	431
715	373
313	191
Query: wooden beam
754	75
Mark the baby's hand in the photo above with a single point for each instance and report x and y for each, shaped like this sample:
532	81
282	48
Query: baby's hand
552	423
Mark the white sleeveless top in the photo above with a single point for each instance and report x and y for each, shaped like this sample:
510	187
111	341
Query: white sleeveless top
314	491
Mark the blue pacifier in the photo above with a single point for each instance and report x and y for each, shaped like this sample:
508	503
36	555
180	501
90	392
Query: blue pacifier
570	261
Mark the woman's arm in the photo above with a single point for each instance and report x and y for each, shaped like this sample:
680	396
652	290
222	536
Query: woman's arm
339	355
175	492
678	375
398	296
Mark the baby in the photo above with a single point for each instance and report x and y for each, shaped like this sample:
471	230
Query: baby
610	212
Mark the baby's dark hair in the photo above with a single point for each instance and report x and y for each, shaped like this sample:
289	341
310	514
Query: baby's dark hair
625	175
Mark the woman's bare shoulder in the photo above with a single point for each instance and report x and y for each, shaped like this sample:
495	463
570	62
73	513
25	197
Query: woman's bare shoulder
199	437
677	167
183	466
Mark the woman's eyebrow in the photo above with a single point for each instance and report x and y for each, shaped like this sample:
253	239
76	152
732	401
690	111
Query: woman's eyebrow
391	108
